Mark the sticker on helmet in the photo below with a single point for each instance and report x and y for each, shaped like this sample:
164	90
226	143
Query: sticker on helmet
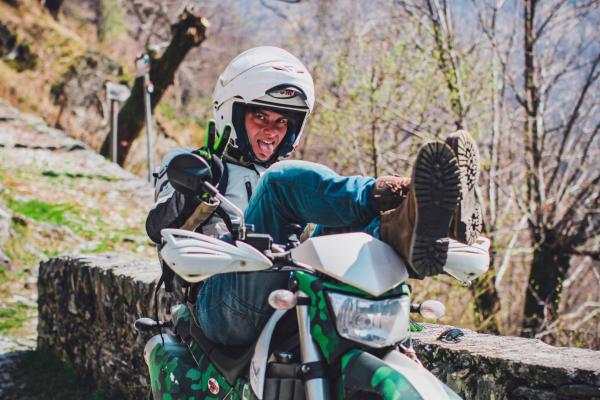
285	92
213	386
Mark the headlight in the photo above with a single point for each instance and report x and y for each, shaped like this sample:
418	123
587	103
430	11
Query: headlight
378	323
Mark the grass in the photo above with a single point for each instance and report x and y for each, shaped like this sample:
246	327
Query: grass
15	248
3	276
13	317
112	20
59	214
105	245
44	376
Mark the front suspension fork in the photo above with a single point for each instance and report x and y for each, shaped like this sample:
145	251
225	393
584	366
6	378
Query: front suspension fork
317	388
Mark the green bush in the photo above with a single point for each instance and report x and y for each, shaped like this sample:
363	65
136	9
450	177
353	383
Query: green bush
112	18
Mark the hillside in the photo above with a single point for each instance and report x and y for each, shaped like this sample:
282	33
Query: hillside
58	68
56	197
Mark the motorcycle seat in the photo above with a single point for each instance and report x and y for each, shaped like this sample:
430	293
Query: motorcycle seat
230	361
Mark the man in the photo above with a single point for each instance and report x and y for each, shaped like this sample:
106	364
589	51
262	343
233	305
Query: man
265	94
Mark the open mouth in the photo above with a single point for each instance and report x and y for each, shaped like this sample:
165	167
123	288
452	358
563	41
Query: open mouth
267	147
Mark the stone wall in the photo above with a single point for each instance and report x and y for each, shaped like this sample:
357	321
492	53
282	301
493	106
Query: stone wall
87	306
505	367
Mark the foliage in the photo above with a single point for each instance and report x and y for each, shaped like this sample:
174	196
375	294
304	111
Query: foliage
391	75
43	375
13	317
58	214
112	20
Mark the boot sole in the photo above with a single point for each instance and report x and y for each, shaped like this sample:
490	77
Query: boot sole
469	219
436	187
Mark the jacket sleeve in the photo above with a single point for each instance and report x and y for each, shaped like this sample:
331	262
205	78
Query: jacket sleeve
171	210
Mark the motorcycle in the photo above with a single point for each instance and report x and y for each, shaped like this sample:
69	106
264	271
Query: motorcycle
340	331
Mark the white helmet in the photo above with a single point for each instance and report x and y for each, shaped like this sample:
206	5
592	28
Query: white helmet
267	77
196	257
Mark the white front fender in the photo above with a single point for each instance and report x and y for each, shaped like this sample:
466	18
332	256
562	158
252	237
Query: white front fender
428	386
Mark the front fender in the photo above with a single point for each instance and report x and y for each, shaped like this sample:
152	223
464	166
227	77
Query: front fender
394	377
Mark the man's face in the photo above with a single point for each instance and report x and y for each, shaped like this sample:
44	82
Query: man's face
266	129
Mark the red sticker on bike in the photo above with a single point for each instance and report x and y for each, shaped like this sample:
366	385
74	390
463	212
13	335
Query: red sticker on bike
213	386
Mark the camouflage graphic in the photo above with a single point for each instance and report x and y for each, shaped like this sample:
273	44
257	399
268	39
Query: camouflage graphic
363	372
181	313
181	372
415	326
175	376
322	324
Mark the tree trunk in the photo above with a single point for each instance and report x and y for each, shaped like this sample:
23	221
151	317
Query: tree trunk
448	62
486	303
188	32
53	6
548	270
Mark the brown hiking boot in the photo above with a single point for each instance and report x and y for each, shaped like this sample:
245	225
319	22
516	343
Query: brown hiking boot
467	219
390	191
418	228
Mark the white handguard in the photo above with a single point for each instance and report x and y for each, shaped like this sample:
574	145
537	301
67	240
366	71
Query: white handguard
465	262
196	257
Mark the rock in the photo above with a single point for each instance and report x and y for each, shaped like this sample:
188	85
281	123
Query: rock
5	261
5	223
504	367
24	300
18	55
80	92
11	352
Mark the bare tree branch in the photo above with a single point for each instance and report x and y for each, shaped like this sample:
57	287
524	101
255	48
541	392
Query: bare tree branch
570	179
274	9
592	76
546	21
572	208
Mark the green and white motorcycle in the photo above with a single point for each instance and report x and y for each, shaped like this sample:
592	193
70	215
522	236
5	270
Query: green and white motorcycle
340	331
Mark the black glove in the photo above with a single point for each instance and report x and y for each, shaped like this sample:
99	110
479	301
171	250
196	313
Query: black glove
187	172
213	149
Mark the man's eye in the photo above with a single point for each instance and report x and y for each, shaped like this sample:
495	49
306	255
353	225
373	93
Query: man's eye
260	116
283	121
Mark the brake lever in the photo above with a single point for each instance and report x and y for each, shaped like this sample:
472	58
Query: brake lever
285	262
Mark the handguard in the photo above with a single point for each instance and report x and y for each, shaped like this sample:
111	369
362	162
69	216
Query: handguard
465	262
196	257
